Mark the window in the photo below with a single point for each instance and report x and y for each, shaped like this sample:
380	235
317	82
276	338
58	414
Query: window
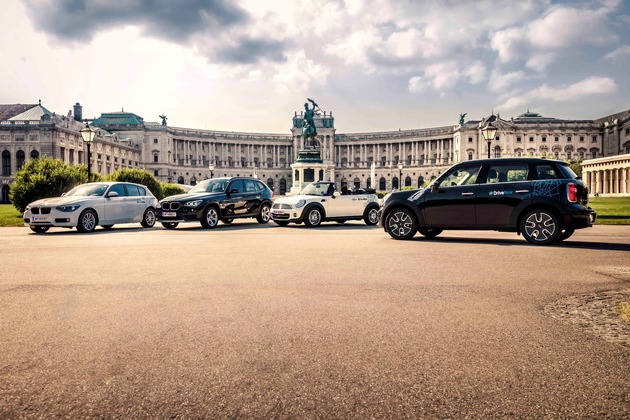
556	139
461	176
546	172
470	139
544	139
581	138
6	163
155	141
118	188
156	172
133	191
237	185
507	173
518	139
569	155
594	153
19	159
250	186
155	157
569	139
497	152
581	155
470	155
382	184
594	139
34	154
531	139
395	182
557	155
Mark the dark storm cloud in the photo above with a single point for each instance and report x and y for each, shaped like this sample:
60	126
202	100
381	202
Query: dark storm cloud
172	20
249	51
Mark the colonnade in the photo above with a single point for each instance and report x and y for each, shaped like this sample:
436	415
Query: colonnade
232	154
608	176
414	153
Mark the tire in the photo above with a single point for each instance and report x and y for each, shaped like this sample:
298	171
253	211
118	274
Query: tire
87	221
429	232
265	213
566	234
371	216
148	219
227	221
210	218
170	225
39	229
400	223
281	223
107	227
313	217
540	227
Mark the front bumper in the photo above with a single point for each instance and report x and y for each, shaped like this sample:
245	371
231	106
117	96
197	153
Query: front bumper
287	215
55	218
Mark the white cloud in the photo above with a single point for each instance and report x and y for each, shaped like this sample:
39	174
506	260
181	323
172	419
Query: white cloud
476	72
501	81
540	61
623	50
298	73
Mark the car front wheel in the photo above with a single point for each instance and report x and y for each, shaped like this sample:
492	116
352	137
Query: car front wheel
148	220
371	217
313	217
540	227
87	221
265	214
401	224
210	218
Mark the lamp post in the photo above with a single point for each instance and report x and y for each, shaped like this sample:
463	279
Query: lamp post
211	168
489	131
88	137
400	168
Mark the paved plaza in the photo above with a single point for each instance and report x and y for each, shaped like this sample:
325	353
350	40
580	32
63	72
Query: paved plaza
258	321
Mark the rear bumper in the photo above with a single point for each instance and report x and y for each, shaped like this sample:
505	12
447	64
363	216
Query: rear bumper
579	217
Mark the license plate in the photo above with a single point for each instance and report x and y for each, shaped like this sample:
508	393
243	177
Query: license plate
39	219
169	214
277	212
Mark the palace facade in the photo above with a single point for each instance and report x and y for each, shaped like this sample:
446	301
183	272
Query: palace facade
186	156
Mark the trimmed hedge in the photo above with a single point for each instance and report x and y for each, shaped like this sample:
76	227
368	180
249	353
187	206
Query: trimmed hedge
138	176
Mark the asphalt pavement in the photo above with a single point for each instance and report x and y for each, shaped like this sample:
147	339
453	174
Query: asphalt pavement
259	321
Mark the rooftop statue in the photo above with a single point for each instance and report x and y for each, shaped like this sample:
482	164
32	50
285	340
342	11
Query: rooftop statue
163	119
461	118
308	126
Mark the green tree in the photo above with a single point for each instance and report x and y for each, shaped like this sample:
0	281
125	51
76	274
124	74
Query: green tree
576	166
171	189
137	176
45	177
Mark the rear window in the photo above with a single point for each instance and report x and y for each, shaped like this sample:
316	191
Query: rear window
547	172
500	173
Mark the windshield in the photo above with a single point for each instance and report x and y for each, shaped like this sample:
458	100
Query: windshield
87	190
210	185
316	188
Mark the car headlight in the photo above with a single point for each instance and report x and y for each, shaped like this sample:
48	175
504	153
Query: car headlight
193	203
300	204
68	208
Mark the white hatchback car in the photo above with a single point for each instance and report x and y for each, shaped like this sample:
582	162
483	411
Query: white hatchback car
319	202
89	205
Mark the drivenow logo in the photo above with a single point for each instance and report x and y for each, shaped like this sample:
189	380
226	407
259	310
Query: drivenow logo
499	192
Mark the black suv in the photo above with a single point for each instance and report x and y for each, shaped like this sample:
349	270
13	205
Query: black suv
542	199
223	199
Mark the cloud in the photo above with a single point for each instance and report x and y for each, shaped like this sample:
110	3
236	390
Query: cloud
501	81
623	50
298	74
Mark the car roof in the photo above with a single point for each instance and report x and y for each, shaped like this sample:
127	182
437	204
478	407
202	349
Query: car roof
512	160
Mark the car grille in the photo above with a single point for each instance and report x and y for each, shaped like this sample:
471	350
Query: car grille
280	217
170	205
42	210
282	206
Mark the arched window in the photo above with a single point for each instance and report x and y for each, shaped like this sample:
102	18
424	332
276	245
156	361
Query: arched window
283	186
395	182
6	163
369	182
344	183
34	154
19	159
156	157
497	152
357	183
470	155
180	180
270	183
420	181
408	181
4	194
382	184
193	181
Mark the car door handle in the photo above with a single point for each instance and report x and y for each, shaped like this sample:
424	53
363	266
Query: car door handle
354	199
467	193
522	191
323	200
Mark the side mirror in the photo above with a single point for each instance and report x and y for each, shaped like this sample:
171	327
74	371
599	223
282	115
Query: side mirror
112	194
434	187
232	191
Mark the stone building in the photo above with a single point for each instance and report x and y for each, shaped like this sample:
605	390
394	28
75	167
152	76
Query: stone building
183	155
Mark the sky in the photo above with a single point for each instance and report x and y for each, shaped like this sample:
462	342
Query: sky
377	65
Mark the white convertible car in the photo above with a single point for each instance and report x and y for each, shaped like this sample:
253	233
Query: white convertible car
89	205
319	202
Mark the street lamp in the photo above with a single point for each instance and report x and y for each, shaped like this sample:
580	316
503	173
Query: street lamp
400	168
88	137
489	131
211	168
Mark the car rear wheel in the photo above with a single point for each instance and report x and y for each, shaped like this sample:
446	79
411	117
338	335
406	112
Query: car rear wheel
540	227
400	223
313	217
210	218
87	221
39	229
265	213
148	220
170	225
429	233
371	217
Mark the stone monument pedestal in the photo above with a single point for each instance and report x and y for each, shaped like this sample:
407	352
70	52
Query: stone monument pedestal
309	167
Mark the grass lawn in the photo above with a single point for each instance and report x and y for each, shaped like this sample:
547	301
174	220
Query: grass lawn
611	210
9	216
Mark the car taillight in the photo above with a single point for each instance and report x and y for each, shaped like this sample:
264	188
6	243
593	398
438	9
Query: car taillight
572	193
